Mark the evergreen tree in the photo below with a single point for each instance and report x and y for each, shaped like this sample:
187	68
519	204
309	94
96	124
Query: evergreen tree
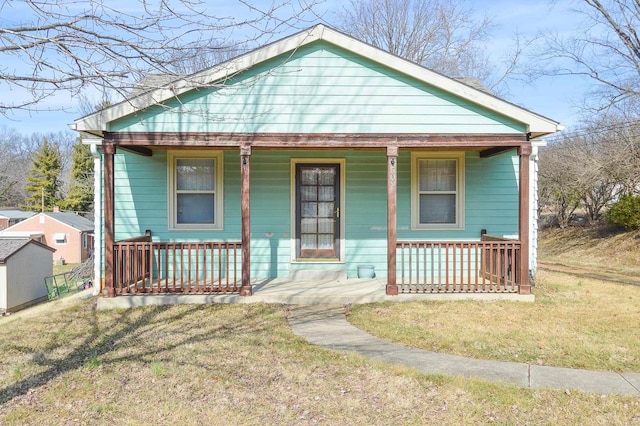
43	181
80	197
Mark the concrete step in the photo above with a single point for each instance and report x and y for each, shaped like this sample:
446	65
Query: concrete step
336	274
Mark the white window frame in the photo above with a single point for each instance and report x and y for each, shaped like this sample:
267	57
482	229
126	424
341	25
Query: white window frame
172	157
60	241
459	157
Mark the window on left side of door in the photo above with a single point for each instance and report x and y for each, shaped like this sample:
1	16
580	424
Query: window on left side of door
195	190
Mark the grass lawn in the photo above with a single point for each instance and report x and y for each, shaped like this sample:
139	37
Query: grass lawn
598	248
574	322
67	267
240	364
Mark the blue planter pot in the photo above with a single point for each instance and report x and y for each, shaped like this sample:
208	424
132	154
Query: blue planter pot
366	271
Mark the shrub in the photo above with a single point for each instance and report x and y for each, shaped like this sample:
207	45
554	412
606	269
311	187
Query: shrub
625	212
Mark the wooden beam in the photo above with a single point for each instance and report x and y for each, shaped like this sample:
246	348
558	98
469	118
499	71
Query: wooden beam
108	152
316	140
392	178
245	212
523	230
496	150
140	150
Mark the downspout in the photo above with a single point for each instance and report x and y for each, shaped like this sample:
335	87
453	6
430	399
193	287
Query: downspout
533	204
97	220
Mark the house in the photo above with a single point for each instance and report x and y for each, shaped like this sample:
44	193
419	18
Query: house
23	265
314	154
11	217
71	235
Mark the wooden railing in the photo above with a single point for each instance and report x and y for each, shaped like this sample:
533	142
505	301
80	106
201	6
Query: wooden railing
489	265
163	267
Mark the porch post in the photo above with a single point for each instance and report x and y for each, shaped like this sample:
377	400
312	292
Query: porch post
245	191
524	152
392	164
108	152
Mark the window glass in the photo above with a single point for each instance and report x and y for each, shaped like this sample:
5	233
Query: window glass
438	175
195	193
195	174
436	187
437	208
195	208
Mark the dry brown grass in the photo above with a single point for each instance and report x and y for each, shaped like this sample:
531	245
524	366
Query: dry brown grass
578	323
240	364
597	248
575	322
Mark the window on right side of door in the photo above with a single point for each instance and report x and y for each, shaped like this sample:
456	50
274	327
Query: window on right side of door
437	191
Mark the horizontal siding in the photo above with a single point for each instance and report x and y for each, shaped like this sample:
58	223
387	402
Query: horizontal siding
491	195
320	89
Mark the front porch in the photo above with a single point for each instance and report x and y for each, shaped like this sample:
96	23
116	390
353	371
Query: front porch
412	263
141	266
309	292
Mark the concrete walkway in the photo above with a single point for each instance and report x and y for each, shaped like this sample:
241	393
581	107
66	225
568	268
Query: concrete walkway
326	325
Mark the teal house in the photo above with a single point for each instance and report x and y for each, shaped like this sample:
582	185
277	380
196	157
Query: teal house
314	153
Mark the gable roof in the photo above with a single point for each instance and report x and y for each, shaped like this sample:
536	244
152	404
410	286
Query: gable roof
71	219
10	246
96	123
16	214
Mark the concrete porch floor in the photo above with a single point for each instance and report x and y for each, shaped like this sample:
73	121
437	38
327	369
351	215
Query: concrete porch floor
303	292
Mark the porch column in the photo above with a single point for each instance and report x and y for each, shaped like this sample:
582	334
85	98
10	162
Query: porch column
108	152
392	164
245	191
523	231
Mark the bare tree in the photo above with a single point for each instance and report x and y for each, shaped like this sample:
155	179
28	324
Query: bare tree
15	160
558	187
66	45
191	62
442	35
592	166
606	49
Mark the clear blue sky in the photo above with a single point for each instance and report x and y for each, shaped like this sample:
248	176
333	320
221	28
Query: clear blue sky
551	97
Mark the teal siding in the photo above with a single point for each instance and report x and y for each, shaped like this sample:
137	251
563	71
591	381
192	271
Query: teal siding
320	89
491	203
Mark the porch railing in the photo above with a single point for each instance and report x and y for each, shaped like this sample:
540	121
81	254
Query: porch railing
489	265
142	266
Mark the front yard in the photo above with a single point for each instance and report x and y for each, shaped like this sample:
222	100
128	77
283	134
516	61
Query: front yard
574	322
240	364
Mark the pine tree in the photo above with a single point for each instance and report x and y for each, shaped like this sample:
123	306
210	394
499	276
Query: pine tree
44	178
80	197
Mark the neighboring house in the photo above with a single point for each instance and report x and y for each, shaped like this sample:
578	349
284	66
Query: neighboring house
315	153
71	235
11	217
23	265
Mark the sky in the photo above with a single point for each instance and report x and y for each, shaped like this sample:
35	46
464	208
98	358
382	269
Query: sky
555	98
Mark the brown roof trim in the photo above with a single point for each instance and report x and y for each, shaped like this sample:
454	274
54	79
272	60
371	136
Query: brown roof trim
313	140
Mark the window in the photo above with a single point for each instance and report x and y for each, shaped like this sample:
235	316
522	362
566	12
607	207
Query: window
60	238
437	190
195	190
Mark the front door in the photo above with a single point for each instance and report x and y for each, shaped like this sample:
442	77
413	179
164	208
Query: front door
317	211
